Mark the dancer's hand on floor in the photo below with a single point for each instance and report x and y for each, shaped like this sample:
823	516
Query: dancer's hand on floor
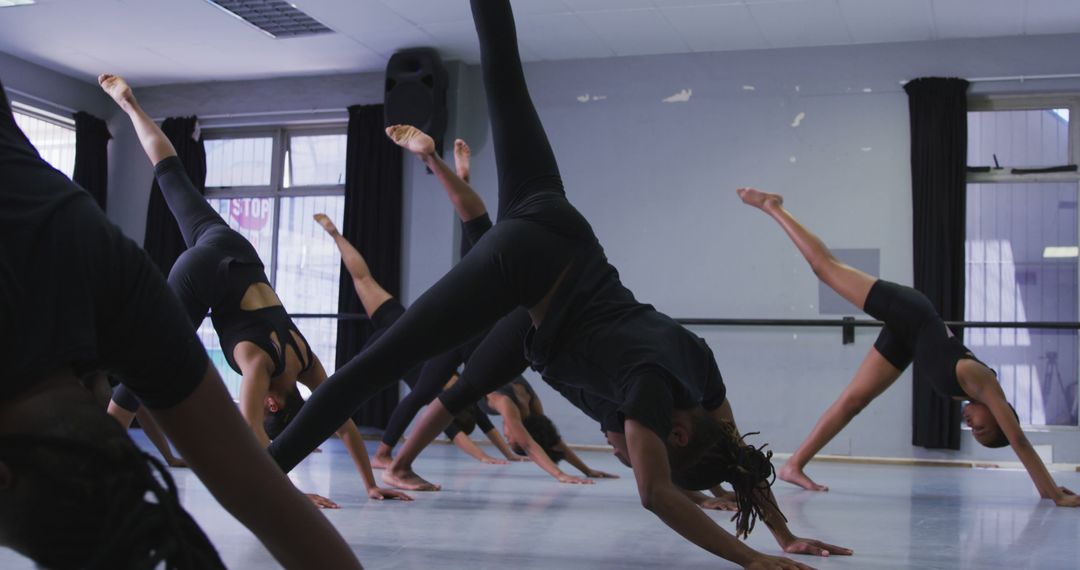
764	562
719	504
597	474
379	494
493	460
321	502
813	547
564	478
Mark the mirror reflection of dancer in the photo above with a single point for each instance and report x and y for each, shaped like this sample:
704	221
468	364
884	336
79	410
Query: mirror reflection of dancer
543	256
913	332
221	272
75	294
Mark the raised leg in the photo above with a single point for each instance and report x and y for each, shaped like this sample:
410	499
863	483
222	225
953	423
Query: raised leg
848	282
874	376
523	155
371	294
193	214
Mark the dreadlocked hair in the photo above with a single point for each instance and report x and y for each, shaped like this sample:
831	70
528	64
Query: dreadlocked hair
97	502
748	469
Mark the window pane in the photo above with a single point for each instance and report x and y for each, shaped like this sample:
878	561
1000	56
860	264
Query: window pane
55	143
1019	138
253	218
210	340
238	162
1013	276
308	269
316	160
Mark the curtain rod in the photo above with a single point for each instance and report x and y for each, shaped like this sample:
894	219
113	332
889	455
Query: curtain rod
343	111
56	106
1023	78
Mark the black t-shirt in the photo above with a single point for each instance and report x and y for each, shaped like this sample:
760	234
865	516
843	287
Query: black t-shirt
598	337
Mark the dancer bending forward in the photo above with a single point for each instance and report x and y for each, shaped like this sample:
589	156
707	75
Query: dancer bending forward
589	329
913	332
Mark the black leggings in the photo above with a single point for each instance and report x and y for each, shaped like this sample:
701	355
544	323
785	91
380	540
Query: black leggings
514	265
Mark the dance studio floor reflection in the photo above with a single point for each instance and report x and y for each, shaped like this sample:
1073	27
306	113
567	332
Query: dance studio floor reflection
515	516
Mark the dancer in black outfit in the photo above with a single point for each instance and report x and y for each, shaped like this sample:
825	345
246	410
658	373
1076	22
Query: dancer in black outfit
590	331
913	332
76	295
425	383
220	272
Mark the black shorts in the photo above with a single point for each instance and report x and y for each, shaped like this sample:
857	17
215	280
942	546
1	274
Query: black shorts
904	311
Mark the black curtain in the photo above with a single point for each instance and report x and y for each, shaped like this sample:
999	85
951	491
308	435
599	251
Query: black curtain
372	223
938	109
92	156
163	240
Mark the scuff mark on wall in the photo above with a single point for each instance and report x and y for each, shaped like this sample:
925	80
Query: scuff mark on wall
867	149
680	97
587	97
867	90
798	88
748	88
792	160
798	120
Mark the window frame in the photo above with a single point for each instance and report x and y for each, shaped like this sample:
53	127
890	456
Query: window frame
1032	102
46	116
281	139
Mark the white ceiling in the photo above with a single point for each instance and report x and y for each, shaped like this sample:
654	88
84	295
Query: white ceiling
167	41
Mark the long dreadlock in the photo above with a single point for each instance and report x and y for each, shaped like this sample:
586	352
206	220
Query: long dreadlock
748	469
107	505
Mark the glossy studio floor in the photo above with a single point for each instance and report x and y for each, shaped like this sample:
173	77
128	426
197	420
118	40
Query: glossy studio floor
515	516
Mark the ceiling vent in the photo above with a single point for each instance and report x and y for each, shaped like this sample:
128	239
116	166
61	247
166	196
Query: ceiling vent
275	18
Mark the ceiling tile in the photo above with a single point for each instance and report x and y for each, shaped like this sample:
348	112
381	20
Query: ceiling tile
877	21
560	36
717	27
801	23
606	5
635	32
978	18
428	12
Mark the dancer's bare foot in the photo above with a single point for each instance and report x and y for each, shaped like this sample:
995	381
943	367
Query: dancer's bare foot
462	159
794	475
326	223
117	88
382	458
759	199
412	139
407	479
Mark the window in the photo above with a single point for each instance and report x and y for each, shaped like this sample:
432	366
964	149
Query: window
1021	250
52	135
268	184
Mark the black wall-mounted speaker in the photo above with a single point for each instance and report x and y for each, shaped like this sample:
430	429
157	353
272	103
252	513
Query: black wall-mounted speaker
416	86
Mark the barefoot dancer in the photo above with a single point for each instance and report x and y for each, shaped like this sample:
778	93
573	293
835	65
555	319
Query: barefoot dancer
544	256
222	273
74	489
383	310
913	332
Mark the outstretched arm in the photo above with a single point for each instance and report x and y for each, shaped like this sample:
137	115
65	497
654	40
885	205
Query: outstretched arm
242	477
497	440
988	391
462	441
353	441
518	433
573	459
467	203
154	434
660	496
154	142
